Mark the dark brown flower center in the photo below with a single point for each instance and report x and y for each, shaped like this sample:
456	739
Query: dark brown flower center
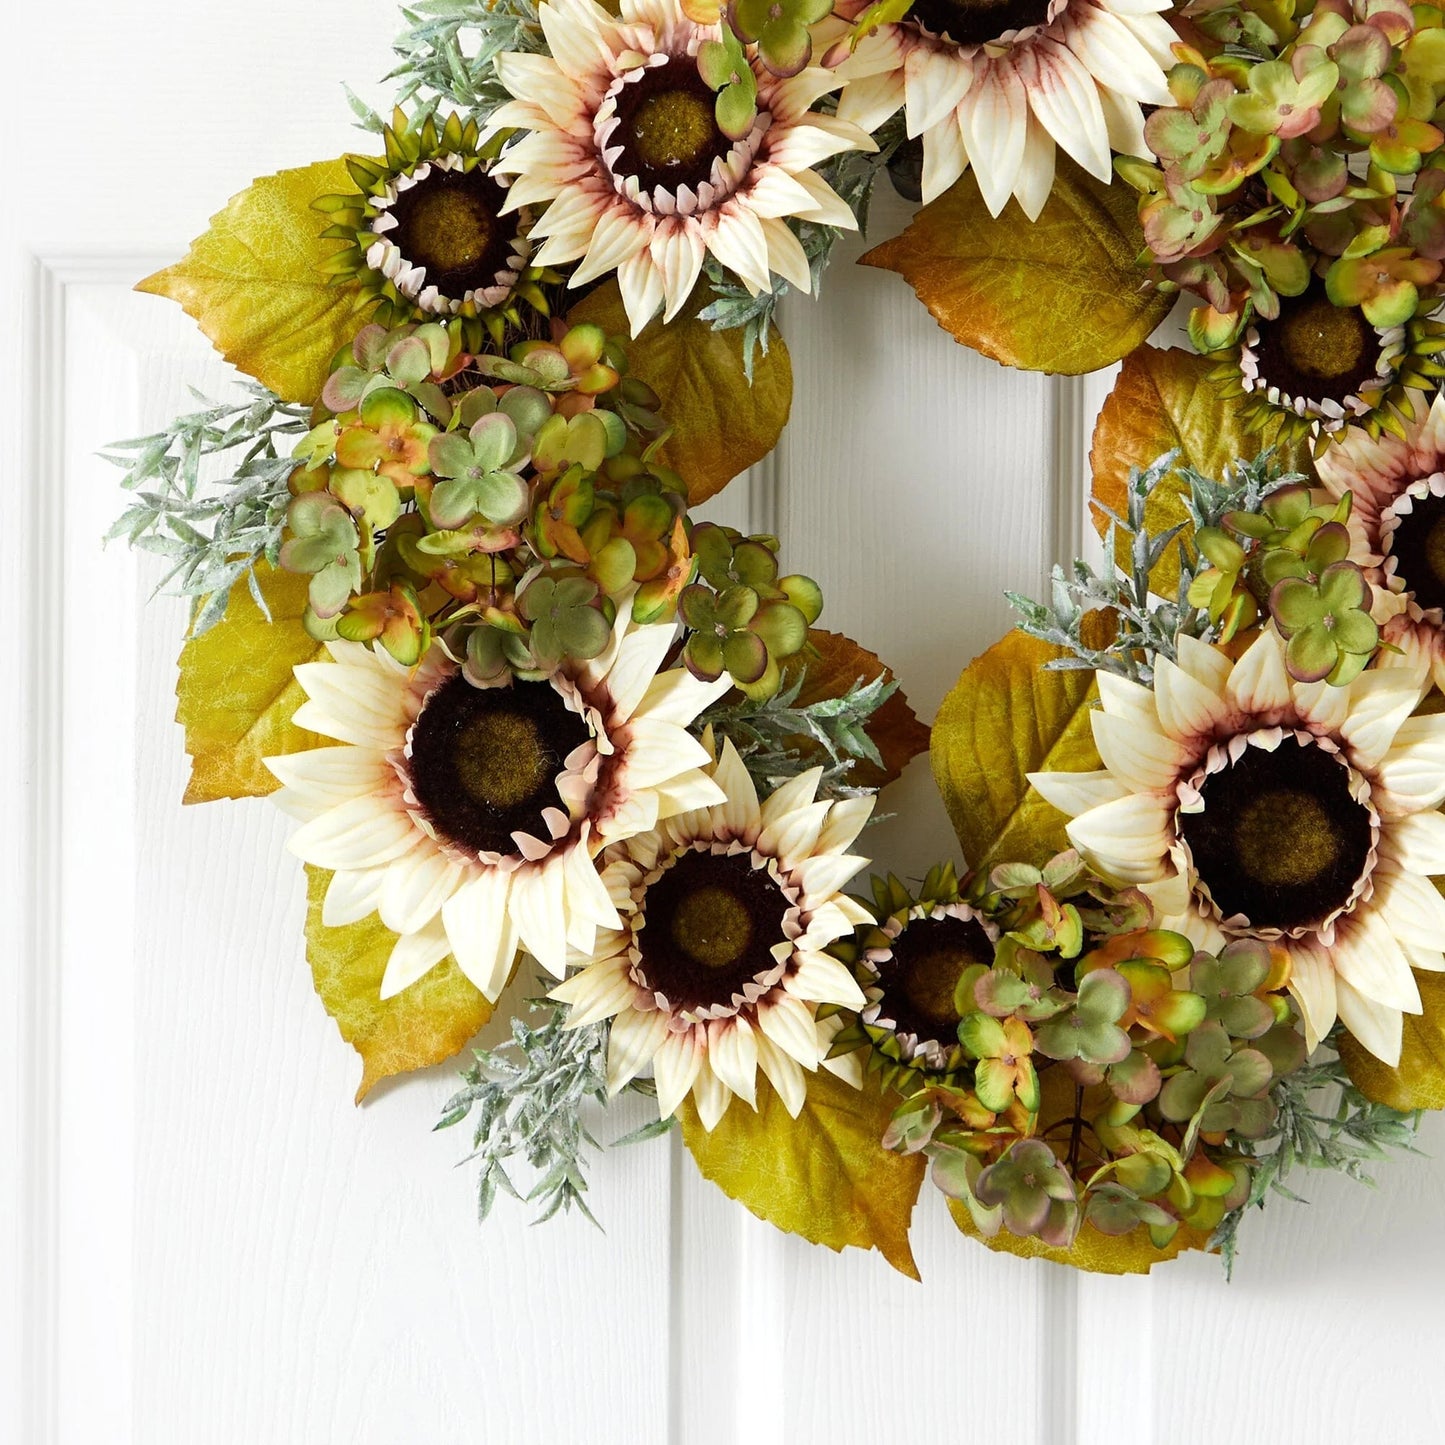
484	761
451	223
1317	350
919	979
667	128
1280	839
1418	546
975	22
711	921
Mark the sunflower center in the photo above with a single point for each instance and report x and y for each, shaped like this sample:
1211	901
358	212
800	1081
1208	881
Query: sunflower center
484	760
919	980
667	128
1418	547
450	222
711	922
1280	839
976	22
1317	350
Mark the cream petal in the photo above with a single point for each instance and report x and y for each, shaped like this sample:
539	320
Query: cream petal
355	705
797	792
1125	840
816	978
1204	663
1411	907
711	1096
848	1067
1187	708
945	158
1375	1026
358	834
597	992
540	80
738	816
1125	122
1169	895
790	1024
677	697
479	929
1417	842
1322	706
1112	52
1380	701
320	778
1259	683
869	100
827	873
790	837
351	895
415	887
658	751
642	290
784	1075
994	120
1366	954
1142	758
537	907
846	820
826	207
675	1067
678	253
1062	94
1036	172
685	793
736	237
616	238
413	956
732	1052
586	895
786	256
1412	773
633	1040
1312	983
934	83
1128	701
1075	793
639	656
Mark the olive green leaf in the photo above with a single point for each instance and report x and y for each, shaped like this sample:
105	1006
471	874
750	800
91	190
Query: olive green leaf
1419	1080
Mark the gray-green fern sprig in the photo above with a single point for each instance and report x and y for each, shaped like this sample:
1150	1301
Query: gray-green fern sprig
1324	1123
1147	623
527	1098
213	529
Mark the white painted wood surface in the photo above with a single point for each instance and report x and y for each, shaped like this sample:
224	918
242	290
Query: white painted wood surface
203	1240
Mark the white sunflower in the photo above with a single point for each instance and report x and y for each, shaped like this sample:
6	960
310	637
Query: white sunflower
1246	804
469	817
998	84
718	968
625	148
1397	530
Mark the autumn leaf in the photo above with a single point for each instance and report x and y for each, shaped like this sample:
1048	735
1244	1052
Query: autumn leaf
1164	401
420	1026
254	282
1064	294
1419	1081
824	1175
720	424
237	693
1006	717
894	729
1132	1253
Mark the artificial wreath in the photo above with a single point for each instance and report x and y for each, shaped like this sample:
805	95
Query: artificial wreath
559	750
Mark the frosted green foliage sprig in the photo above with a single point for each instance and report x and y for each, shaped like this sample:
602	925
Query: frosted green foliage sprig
1325	1123
449	49
214	529
766	734
1148	624
527	1098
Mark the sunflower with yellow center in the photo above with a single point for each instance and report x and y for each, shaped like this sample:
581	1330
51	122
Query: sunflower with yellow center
1246	804
624	147
999	84
1397	531
469	817
718	967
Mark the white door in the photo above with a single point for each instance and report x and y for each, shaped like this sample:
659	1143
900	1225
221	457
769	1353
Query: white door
204	1242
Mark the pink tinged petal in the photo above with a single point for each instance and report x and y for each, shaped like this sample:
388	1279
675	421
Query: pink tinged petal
1143	758
786	257
415	887
945	158
994	119
1131	702
789	1023
1153	32
783	1074
351	895
635	1037
677	253
825	874
794	96
1322	706
736	237
790	838
413	956
868	101
480	932
685	794
1169	895
1204	663
1187	709
817	978
657	751
1368	957
796	793
711	1096
616	237
1312	983
732	1053
574	31
1417	842
320	778
1379	703
1258	682
1036	174
826	206
1125	122
576	212
845	823
642	290
675	1067
598	992
1412	774
1376	1026
817	139
537	908
1126	840
540	80
1412	908
358	834
739	816
934	82
771	191
1112	53
1062	94
1075	793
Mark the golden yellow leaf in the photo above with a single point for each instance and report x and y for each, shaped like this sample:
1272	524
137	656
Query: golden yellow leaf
1163	401
894	729
720	424
422	1025
1006	717
824	1175
1131	1253
237	694
1419	1081
253	282
1063	295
